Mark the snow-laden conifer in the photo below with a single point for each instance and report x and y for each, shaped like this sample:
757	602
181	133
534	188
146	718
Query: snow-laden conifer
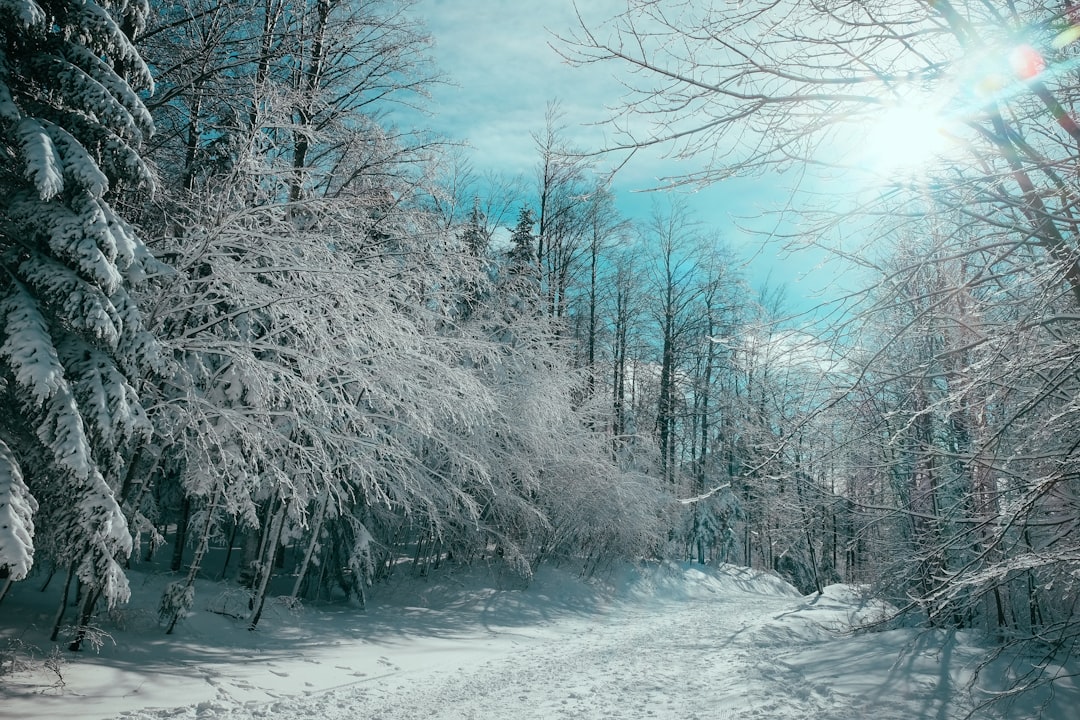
73	343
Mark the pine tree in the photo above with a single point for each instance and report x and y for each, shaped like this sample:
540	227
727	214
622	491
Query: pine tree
73	343
475	237
519	281
522	251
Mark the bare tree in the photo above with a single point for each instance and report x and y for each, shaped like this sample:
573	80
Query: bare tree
562	217
762	86
676	243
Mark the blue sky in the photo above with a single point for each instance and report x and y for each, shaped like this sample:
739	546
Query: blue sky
498	56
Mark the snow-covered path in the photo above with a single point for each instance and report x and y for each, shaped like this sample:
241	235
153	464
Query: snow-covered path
714	650
701	658
683	643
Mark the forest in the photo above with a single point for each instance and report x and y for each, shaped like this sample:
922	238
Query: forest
252	322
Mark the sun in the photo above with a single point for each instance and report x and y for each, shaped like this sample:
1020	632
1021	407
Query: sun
904	140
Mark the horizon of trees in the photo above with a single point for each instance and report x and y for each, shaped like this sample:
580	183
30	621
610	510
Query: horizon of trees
333	365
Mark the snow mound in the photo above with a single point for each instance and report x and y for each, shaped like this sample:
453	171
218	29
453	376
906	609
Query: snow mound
837	609
687	581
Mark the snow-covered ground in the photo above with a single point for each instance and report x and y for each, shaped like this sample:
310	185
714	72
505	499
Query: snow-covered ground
671	642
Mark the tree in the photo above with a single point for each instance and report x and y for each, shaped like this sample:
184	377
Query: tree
677	244
605	229
295	419
351	386
562	220
521	257
74	347
719	319
295	225
17	509
748	102
623	315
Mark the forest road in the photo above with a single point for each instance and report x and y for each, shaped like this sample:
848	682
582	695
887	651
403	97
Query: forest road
716	656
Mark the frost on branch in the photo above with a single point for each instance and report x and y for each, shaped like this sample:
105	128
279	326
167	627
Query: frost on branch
134	13
96	29
176	601
106	399
17	508
9	111
139	351
132	256
118	89
105	530
25	12
29	352
88	95
121	160
79	168
73	342
61	430
113	155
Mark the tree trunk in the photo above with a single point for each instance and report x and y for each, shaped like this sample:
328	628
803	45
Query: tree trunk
90	599
63	604
266	564
229	550
181	535
200	552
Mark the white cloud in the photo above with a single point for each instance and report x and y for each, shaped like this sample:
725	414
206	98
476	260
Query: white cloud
499	55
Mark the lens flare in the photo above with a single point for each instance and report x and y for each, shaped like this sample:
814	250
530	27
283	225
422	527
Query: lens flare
1066	37
1026	62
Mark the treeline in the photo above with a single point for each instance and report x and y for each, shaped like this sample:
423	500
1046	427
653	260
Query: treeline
250	320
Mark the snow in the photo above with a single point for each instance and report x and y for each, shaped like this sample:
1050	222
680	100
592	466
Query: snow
28	347
17	508
28	12
43	165
643	642
77	161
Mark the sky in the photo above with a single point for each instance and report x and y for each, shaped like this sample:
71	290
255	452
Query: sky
503	70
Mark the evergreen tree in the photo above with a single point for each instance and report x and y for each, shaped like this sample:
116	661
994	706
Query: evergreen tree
475	236
522	255
475	279
17	508
520	279
70	120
